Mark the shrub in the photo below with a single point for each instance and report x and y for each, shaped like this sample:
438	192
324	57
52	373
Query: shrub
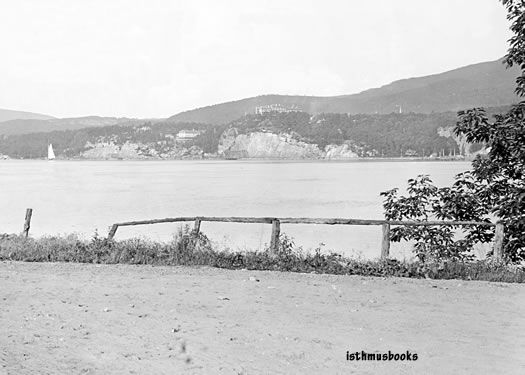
187	249
425	201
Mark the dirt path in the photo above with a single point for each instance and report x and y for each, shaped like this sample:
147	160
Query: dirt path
118	319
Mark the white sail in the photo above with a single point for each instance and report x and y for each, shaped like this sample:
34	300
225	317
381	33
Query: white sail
50	152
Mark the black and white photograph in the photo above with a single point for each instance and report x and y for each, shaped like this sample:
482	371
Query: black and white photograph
262	187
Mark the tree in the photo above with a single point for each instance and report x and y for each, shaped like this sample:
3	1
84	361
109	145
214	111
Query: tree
495	185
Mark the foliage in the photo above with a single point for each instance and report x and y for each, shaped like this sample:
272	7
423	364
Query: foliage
499	176
208	141
424	202
516	52
496	184
188	250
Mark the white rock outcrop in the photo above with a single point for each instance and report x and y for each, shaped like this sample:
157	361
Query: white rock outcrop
265	145
464	146
133	151
339	152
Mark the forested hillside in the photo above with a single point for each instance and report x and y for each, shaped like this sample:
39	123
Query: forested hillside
487	84
70	143
390	135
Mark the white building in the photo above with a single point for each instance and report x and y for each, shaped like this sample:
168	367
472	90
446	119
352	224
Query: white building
259	110
186	134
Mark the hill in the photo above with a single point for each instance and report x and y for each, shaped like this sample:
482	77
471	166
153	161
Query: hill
26	126
153	138
254	135
487	84
7	114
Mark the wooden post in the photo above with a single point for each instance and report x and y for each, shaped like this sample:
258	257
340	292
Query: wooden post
27	222
112	231
498	241
385	243
276	231
196	227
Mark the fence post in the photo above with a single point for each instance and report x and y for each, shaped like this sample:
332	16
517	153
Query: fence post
112	231
27	222
385	243
498	241
276	231
197	227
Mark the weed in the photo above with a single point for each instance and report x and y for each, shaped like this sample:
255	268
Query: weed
188	249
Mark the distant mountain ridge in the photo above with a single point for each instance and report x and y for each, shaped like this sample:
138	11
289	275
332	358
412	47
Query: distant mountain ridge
26	126
487	84
8	114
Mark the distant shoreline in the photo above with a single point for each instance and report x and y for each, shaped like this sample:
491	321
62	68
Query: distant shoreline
273	160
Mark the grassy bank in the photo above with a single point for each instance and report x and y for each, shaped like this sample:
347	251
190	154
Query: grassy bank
186	250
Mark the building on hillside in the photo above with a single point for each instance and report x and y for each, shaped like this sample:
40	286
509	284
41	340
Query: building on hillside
185	134
262	109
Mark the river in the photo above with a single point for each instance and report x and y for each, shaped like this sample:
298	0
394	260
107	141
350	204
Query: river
88	196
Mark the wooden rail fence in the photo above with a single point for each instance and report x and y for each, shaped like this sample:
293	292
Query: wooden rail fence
27	222
276	227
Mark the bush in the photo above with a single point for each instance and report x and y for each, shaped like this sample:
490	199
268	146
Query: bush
425	201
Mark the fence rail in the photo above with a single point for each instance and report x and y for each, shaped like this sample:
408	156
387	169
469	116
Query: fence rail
276	227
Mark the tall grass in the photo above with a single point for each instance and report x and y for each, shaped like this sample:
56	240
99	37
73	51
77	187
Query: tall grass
185	249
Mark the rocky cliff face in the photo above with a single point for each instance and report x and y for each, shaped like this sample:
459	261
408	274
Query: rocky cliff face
266	145
109	150
128	150
339	152
465	148
261	144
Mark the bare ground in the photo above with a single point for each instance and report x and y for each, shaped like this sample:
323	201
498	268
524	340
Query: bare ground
121	319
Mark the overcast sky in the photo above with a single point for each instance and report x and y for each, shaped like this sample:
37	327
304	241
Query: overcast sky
152	58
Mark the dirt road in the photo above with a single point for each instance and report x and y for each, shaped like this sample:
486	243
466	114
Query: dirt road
120	319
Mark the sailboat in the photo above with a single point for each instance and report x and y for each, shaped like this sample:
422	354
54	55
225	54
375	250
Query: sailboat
50	152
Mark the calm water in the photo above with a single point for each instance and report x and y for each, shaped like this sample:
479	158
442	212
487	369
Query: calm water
84	196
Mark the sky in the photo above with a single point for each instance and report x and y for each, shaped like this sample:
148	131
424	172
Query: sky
154	58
